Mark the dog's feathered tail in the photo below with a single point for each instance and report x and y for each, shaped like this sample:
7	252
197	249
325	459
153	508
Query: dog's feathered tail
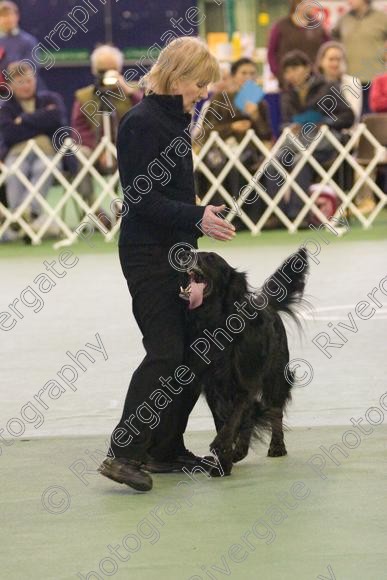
289	284
261	421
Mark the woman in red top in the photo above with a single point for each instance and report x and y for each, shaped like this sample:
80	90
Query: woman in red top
378	94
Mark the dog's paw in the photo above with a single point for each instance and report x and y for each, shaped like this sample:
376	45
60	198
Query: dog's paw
240	450
218	446
225	463
239	453
277	450
226	469
215	472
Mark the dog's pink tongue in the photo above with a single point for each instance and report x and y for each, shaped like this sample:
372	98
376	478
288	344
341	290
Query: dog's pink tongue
196	296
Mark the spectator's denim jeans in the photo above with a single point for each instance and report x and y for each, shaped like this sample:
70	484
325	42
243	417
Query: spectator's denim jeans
32	167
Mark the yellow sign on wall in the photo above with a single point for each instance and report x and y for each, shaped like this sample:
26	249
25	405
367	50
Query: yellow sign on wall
263	19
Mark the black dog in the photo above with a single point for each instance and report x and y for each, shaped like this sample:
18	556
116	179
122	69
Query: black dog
238	349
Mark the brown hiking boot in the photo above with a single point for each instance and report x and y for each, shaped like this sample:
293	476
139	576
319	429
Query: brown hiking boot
126	471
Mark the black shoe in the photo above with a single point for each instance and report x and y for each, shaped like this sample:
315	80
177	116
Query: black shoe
126	471
175	465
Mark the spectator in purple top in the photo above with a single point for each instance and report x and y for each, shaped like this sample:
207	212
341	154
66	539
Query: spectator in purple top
300	30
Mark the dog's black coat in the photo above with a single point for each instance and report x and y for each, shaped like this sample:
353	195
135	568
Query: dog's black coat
244	384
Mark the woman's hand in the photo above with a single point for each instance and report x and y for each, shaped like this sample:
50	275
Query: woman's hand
216	227
128	89
241	126
295	128
252	110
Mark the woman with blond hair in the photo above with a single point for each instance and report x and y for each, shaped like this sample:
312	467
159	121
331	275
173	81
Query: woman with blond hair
159	215
331	62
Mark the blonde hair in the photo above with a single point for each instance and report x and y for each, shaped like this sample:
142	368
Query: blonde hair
185	58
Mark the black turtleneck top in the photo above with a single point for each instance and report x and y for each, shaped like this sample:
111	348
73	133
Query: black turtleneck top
156	172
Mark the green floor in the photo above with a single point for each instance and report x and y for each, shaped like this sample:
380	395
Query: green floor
338	531
335	529
243	239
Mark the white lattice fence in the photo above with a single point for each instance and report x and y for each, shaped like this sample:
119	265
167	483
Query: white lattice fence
53	215
109	185
344	153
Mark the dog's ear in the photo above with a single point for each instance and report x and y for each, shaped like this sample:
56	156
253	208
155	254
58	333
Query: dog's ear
236	289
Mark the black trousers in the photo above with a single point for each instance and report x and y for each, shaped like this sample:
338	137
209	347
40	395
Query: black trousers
145	427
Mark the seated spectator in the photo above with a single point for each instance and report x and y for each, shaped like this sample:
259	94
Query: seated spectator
331	63
233	128
224	84
293	33
378	94
301	104
254	116
378	104
88	122
29	114
17	44
87	101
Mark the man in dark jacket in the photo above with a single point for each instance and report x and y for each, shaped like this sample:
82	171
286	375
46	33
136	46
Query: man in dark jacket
29	114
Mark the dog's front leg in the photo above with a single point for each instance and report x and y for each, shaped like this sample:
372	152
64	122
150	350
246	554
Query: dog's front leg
223	442
213	405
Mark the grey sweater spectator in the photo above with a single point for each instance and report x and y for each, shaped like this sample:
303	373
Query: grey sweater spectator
363	32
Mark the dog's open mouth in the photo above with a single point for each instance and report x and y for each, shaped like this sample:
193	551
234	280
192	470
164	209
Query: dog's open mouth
194	293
